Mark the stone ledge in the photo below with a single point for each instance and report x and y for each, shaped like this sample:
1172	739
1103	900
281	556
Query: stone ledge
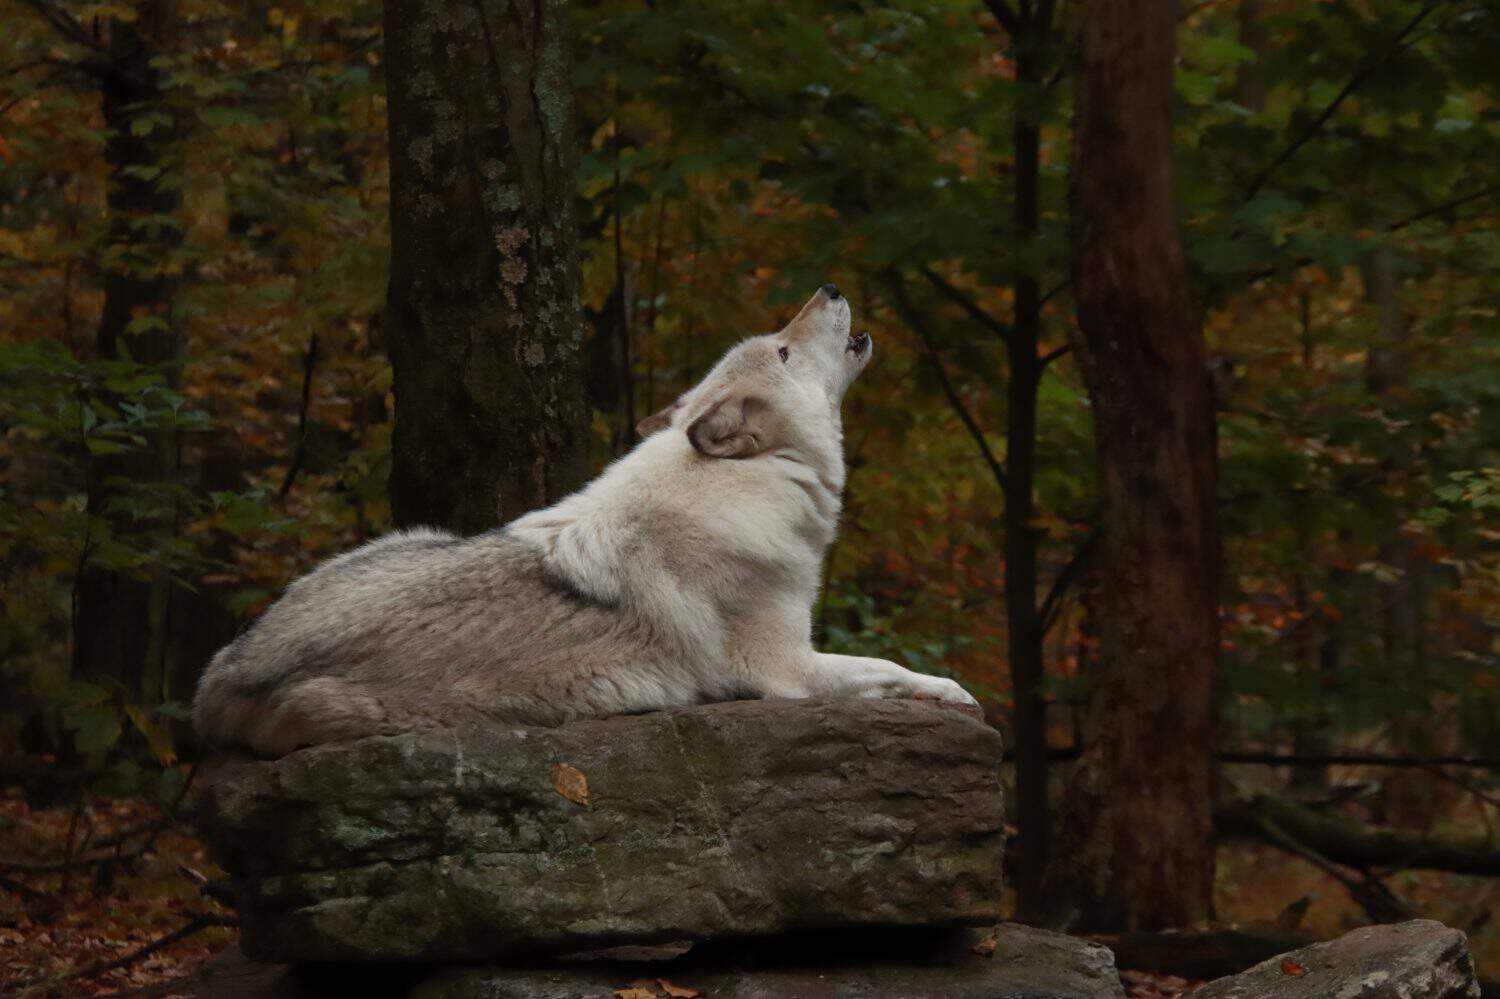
872	964
740	819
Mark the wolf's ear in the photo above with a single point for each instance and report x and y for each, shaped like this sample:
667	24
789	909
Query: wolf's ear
659	420
734	427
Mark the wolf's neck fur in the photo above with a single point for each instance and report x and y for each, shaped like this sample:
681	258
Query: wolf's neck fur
638	536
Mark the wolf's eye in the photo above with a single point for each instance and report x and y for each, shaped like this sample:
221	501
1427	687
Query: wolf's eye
784	353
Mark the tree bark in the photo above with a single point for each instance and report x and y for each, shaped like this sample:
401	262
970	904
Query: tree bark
1136	824
483	323
120	624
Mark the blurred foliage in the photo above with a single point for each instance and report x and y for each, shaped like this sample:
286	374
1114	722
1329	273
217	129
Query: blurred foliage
735	157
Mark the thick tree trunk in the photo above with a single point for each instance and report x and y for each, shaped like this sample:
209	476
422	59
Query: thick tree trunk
483	320
121	630
1134	849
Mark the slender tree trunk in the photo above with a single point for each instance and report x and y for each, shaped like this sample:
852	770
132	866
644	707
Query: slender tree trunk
120	625
1249	79
1318	652
1021	536
483	320
1411	799
1137	823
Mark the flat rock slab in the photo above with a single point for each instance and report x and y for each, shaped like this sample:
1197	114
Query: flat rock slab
728	820
1026	964
1420	959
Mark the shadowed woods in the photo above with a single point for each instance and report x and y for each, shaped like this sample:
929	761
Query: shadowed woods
1178	448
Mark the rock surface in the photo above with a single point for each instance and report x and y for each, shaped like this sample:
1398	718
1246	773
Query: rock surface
1026	964
1416	960
736	819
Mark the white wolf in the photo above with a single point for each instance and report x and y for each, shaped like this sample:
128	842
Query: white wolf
684	574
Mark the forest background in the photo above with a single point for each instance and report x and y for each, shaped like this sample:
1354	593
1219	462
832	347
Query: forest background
196	397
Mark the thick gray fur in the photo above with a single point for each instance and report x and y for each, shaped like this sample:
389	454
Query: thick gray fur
685	573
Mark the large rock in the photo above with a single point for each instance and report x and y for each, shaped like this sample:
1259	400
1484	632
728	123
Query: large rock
869	964
1416	960
745	818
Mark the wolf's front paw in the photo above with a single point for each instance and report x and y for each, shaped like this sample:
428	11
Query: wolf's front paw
940	688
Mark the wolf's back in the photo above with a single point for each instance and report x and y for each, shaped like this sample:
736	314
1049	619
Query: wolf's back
270	690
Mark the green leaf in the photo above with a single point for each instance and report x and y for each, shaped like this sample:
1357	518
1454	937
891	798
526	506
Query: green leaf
145	124
1198	89
95	729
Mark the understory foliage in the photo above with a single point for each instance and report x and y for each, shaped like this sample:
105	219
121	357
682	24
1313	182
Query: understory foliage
1338	179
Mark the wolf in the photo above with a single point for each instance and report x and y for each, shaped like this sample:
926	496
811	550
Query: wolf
685	574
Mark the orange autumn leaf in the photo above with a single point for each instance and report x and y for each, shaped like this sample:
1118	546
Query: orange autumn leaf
1294	968
570	783
677	991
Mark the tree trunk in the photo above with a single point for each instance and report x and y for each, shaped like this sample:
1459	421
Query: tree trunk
1249	78
120	622
483	320
1411	799
1134	850
1023	623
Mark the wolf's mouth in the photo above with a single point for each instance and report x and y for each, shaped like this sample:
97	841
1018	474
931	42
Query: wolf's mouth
858	343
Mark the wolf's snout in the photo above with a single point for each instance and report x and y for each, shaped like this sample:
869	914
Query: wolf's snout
859	342
832	291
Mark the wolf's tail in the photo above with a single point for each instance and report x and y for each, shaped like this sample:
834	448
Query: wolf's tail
272	721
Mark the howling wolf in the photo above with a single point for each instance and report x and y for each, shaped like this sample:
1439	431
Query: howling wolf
685	574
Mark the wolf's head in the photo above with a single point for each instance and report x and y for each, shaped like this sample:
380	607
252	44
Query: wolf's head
781	390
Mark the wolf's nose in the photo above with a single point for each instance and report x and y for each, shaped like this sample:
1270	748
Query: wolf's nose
832	291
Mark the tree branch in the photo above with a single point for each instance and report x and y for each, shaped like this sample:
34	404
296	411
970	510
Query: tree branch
1358	845
912	319
1426	213
1052	604
1054	354
299	454
955	295
198	923
1378	901
1360	76
46	82
1399	224
64	24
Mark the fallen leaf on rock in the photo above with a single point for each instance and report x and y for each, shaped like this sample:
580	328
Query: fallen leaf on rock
986	947
677	991
573	785
634	993
1295	968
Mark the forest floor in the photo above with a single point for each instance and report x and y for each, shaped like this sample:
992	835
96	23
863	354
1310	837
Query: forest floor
139	882
60	930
